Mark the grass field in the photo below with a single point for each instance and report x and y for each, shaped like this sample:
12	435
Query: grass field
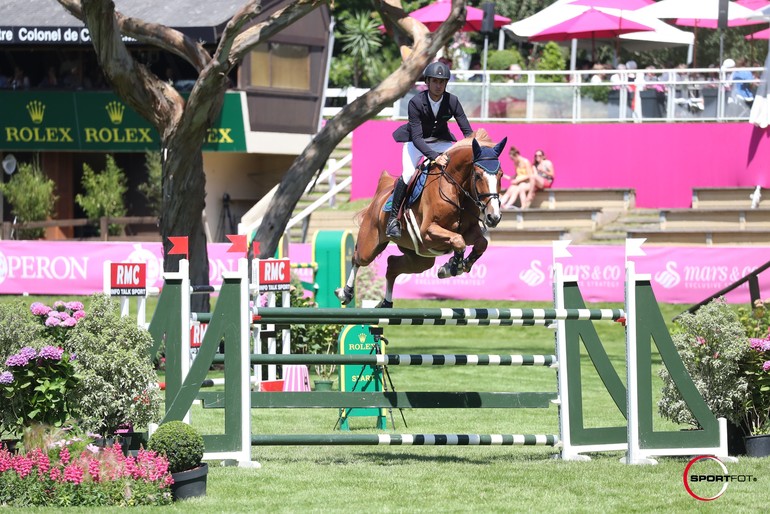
463	479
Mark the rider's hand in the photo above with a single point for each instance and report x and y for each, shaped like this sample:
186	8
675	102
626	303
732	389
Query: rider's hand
442	160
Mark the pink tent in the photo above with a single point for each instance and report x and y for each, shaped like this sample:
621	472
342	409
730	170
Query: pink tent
589	24
433	15
762	34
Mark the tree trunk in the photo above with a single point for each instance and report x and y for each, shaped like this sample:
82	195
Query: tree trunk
184	190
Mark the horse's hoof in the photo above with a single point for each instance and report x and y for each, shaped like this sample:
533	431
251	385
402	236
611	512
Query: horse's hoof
384	304
443	272
344	295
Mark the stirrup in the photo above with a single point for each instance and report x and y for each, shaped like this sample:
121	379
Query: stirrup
393	229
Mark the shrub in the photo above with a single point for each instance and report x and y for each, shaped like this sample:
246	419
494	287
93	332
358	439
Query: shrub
18	328
180	443
502	60
369	286
119	384
103	193
32	198
152	188
37	387
552	58
713	345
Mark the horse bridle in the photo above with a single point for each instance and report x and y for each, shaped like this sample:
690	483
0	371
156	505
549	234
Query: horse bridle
477	199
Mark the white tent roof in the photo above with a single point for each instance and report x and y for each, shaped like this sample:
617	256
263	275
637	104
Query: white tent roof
663	36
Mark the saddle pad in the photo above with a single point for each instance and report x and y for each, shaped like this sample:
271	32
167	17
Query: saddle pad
419	185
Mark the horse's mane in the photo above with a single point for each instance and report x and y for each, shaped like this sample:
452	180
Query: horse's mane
481	136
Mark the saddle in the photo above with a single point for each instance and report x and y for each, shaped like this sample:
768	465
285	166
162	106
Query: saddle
413	190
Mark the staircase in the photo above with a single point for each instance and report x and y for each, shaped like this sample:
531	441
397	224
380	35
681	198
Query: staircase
326	214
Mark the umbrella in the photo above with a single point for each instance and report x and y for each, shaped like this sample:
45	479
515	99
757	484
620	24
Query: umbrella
658	34
762	34
752	5
629	5
433	15
589	24
696	11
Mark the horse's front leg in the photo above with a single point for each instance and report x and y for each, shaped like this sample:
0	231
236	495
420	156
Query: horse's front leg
476	239
437	235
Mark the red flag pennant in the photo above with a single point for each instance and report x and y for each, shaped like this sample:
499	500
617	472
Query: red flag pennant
239	243
255	247
179	246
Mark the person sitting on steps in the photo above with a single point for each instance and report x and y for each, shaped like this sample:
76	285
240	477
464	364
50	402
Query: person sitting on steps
427	133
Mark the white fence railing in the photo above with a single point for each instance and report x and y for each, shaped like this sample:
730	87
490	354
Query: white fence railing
706	94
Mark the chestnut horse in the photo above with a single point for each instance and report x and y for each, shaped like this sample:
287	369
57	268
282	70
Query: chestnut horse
454	205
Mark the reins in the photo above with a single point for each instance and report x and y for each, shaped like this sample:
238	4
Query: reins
477	198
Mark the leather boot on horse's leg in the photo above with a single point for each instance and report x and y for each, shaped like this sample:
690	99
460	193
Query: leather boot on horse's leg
394	229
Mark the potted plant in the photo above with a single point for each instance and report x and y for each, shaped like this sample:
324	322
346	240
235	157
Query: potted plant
756	368
182	445
714	347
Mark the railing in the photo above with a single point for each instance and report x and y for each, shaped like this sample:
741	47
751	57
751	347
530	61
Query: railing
706	94
10	229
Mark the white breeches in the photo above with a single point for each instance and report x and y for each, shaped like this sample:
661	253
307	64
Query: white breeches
411	156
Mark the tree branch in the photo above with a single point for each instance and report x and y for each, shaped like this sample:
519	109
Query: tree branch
154	34
263	31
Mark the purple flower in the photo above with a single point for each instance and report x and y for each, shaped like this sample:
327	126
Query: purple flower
75	306
39	309
51	352
6	377
22	358
766	366
52	321
73	357
765	345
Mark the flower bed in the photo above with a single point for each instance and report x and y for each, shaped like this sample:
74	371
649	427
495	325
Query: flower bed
94	477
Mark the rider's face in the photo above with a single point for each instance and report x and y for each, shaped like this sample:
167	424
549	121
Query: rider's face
436	87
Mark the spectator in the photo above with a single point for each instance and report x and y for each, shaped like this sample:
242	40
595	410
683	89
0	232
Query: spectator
543	175
598	77
520	184
742	80
51	79
20	79
514	76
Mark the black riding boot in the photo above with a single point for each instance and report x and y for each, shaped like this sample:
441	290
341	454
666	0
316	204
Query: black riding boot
394	229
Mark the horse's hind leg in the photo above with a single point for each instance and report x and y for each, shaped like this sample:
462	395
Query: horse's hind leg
409	262
345	294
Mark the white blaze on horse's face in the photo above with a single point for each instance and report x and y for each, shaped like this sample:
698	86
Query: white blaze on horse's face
492	211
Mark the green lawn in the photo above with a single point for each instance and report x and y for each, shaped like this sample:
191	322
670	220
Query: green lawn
462	479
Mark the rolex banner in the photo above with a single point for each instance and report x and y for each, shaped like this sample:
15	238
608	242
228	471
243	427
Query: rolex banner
100	121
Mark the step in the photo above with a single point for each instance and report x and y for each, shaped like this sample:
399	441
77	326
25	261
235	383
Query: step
707	237
709	197
515	237
622	199
726	218
562	218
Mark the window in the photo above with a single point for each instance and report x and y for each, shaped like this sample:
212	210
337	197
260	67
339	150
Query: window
280	65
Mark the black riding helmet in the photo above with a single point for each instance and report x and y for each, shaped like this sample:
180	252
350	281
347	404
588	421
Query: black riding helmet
437	70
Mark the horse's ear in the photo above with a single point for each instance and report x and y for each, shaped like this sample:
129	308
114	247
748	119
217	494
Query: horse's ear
476	149
499	146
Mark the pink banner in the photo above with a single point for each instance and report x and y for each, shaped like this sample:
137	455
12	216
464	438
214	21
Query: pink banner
679	274
662	162
685	274
76	268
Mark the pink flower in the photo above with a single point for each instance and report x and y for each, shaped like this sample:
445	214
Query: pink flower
52	321
64	455
75	306
69	322
699	340
73	473
39	309
80	314
766	366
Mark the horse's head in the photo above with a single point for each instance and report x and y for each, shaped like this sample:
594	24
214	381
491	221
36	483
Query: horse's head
485	180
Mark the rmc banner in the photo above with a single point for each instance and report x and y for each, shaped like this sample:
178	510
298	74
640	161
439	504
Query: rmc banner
678	274
100	121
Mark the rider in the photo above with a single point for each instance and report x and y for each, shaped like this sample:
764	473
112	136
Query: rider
426	133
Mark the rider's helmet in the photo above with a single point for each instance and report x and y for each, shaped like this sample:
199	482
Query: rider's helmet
437	70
